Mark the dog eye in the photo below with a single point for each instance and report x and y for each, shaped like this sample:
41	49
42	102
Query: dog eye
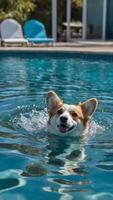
60	111
74	114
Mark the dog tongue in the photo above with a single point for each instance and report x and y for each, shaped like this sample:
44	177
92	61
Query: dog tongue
63	128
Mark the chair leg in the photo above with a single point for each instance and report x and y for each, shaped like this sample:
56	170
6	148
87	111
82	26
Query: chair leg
2	44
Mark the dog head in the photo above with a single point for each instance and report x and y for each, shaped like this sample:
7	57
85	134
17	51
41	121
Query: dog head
66	119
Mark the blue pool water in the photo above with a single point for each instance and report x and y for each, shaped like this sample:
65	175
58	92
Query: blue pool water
37	165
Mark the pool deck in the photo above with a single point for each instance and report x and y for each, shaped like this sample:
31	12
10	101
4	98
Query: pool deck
78	46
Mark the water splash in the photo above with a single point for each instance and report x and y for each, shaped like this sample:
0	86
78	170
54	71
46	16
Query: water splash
32	121
95	127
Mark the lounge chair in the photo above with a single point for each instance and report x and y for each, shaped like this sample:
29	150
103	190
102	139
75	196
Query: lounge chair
11	33
35	32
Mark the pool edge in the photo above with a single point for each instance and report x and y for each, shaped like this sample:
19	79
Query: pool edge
84	50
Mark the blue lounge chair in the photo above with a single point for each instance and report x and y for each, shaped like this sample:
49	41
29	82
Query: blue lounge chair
35	32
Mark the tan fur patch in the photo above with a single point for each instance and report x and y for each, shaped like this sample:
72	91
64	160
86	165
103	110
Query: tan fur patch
54	111
80	114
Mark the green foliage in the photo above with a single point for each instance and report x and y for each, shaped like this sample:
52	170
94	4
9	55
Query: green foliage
43	13
77	3
21	10
77	10
16	9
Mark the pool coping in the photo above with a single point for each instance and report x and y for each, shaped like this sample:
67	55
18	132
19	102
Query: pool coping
91	48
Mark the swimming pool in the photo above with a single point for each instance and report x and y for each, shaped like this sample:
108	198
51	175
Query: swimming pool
32	161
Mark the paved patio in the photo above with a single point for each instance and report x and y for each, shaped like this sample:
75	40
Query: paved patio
78	46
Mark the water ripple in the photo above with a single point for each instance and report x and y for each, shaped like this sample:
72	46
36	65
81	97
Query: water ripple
52	167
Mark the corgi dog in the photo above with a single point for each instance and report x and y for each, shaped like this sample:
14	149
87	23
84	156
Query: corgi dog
65	119
68	120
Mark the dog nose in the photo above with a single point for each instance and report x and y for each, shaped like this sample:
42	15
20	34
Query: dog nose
63	119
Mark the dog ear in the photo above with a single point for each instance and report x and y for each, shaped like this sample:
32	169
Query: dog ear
89	107
53	101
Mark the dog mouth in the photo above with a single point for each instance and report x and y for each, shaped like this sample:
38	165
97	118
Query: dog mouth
64	128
